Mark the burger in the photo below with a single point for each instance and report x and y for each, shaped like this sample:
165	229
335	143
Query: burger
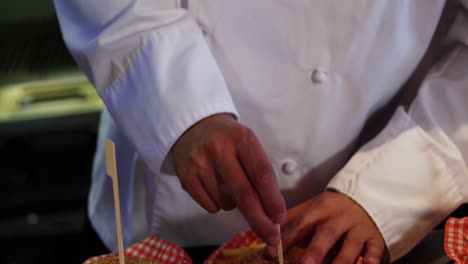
291	256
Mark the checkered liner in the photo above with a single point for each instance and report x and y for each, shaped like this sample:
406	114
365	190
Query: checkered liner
165	252
456	239
243	239
154	248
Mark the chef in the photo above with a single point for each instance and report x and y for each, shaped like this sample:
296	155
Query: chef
257	105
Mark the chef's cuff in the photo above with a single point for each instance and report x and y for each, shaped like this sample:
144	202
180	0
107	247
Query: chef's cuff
405	181
169	82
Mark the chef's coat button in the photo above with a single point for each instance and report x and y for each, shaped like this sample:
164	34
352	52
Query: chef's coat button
318	76
289	166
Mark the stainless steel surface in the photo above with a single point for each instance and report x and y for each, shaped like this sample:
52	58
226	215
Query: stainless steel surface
58	97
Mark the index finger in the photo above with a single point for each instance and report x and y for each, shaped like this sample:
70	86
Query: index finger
247	200
259	170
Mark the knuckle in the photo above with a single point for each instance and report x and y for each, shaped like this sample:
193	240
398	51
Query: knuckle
197	160
263	174
330	231
380	244
377	245
262	178
350	240
217	145
245	134
324	203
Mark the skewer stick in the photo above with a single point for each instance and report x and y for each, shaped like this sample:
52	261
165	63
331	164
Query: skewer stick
279	247
111	170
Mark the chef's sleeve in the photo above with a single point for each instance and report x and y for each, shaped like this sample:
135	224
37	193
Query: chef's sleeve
414	173
150	64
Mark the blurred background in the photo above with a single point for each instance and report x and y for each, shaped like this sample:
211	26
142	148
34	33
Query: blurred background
49	115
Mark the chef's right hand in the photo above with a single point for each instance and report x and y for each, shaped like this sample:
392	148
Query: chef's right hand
221	164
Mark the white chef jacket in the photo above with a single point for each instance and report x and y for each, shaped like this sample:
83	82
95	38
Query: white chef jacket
304	76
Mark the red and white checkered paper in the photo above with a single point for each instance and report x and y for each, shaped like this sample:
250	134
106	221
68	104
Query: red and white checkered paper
243	239
165	252
154	248
456	239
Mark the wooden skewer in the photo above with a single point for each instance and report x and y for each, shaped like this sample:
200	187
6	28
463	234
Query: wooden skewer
279	247
111	170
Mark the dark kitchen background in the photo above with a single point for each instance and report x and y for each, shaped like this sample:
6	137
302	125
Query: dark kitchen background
49	115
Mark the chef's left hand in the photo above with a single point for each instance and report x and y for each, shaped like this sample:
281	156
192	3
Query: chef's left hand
325	219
